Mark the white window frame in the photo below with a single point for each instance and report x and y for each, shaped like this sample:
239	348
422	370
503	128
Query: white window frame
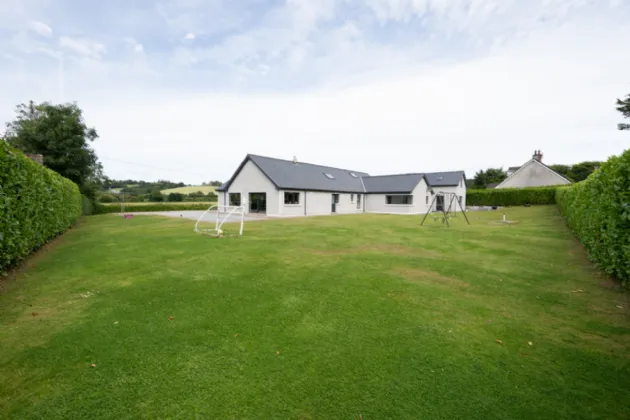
294	203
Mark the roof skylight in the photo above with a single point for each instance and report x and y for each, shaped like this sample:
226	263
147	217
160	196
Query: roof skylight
329	176
353	175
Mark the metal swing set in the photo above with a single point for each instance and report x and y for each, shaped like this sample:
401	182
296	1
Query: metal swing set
453	203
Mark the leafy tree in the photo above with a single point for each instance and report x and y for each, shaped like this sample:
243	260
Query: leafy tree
623	106
59	133
581	171
489	176
562	170
176	197
107	198
216	183
156	196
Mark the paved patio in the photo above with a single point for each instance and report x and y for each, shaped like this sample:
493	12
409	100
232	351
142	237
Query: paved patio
196	214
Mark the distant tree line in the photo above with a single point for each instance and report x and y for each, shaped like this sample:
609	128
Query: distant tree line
131	190
213	183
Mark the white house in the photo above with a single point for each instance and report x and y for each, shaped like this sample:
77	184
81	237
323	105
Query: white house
534	173
279	187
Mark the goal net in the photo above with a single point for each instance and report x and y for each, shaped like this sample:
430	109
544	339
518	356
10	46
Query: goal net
221	220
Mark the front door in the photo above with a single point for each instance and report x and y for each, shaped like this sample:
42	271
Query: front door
258	202
439	203
335	201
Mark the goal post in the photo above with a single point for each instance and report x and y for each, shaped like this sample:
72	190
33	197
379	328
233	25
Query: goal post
221	220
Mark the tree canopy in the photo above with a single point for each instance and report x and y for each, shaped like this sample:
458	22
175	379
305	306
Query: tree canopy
60	134
489	176
623	106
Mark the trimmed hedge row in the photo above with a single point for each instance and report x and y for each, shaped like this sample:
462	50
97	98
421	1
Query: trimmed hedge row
131	208
511	196
597	210
36	205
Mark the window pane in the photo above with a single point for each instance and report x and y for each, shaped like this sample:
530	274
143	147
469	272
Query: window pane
235	199
291	198
399	199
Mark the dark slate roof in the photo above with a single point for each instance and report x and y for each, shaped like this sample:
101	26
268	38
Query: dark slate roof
403	183
444	179
286	175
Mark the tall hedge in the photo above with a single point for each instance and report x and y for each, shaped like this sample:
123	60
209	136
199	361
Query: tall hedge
511	196
598	212
36	204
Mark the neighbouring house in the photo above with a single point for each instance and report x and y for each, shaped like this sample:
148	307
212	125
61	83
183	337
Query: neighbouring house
534	173
279	187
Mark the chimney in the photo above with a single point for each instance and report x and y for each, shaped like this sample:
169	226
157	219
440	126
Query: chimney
295	161
538	155
35	157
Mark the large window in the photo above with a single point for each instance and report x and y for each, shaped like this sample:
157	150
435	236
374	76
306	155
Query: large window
235	199
399	199
291	198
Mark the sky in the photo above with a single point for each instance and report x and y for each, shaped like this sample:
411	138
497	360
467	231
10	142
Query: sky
184	89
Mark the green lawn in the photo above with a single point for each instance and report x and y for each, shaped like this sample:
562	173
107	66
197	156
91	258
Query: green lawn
187	190
315	318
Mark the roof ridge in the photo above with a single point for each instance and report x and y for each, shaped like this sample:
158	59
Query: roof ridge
306	163
381	176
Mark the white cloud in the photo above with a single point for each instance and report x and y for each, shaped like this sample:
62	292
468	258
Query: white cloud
381	86
40	28
541	93
82	47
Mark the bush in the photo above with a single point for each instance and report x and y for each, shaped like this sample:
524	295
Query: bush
107	198
511	196
156	197
131	208
88	205
597	210
36	205
176	197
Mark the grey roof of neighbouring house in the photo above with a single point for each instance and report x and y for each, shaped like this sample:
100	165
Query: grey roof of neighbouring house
287	175
403	183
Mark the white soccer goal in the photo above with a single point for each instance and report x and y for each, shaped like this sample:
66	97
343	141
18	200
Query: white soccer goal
213	221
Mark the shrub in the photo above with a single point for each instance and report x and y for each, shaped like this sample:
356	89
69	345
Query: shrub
176	197
511	196
156	196
131	208
107	198
36	204
88	205
597	210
